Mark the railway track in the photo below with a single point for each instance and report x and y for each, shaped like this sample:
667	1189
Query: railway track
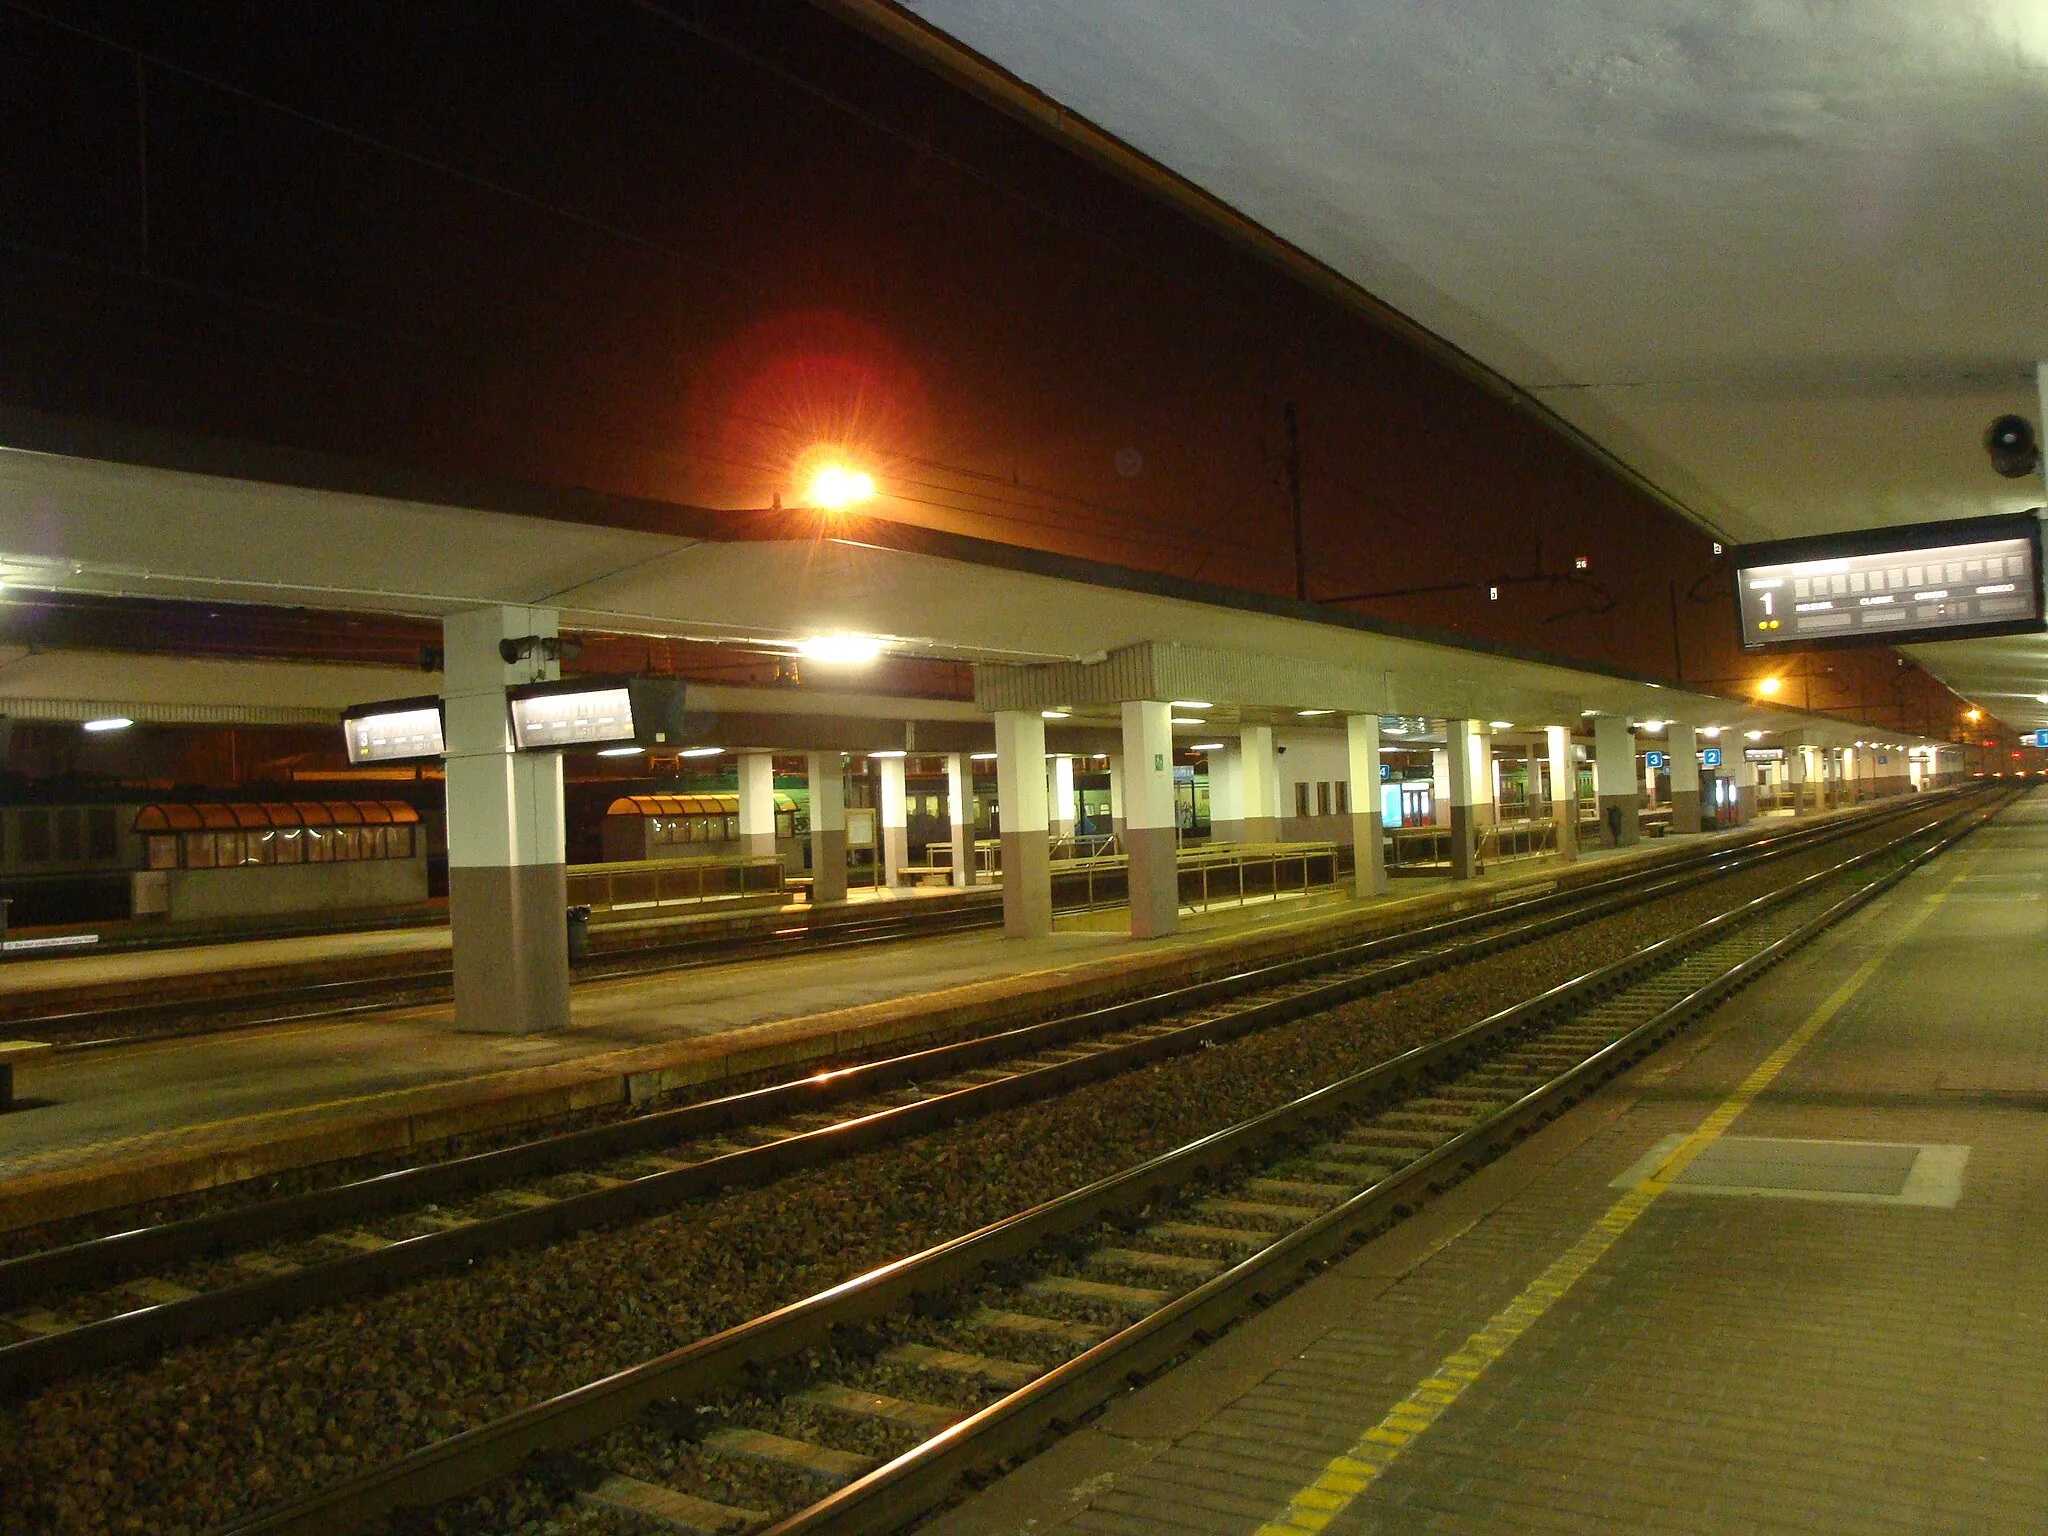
861	1407
121	1024
88	1305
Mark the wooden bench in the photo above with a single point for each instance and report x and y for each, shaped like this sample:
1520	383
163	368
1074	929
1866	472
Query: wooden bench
12	1051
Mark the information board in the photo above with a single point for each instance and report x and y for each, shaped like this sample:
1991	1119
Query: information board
1710	757
1882	586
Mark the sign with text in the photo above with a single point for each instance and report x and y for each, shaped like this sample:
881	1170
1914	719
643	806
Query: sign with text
1883	586
1763	754
1710	757
1653	759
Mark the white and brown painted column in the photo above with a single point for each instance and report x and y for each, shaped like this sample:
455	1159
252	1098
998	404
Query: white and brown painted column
1116	792
825	776
893	815
1059	798
507	882
1683	748
757	805
1149	832
960	815
1020	810
1614	781
1467	759
1742	774
1563	771
1258	784
1362	774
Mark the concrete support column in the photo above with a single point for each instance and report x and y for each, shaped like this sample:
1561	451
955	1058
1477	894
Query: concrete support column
826	776
757	804
1564	788
507	886
1440	786
1149	837
1020	803
1471	773
960	815
1799	779
1614	780
1685	777
1116	791
1258	783
1060	800
1226	796
892	817
1362	772
1742	772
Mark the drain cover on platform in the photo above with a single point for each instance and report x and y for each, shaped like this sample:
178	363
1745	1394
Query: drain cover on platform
1856	1172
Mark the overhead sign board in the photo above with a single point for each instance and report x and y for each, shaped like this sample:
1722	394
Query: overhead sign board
393	731
597	712
1763	754
2034	739
1710	757
1883	586
1653	759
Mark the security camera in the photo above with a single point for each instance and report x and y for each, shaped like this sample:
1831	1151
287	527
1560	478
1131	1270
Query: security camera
2015	451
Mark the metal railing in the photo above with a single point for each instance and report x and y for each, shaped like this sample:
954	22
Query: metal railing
639	883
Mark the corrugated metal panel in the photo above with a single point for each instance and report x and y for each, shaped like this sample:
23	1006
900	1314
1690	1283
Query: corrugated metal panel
146	713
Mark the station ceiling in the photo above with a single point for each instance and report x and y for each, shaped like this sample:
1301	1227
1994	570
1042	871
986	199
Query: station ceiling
1785	260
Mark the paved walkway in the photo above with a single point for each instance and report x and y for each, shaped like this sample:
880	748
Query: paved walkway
1834	1319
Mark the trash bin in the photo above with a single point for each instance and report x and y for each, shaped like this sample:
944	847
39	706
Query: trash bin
579	933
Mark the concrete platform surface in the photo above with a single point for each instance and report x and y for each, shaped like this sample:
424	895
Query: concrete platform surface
1833	1319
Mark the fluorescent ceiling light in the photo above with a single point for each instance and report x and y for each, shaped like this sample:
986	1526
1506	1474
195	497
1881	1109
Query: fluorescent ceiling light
840	650
1754	735
621	752
1189	704
1053	714
1187	720
886	754
700	752
1206	746
1310	714
109	723
1710	731
1652	726
982	757
1500	725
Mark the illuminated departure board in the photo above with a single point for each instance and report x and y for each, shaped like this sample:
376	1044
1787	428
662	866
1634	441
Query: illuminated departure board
1932	581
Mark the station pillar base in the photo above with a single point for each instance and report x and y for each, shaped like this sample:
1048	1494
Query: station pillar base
1622	831
510	947
1027	885
1685	810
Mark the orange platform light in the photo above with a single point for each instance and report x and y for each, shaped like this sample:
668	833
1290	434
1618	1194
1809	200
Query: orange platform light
835	487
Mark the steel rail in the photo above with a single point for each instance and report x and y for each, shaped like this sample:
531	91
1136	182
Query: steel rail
36	1362
343	999
468	1460
913	1483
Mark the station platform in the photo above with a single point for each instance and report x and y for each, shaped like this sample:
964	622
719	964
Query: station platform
152	1119
1834	1319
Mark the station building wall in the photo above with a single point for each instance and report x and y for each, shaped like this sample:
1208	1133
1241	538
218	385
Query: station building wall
668	255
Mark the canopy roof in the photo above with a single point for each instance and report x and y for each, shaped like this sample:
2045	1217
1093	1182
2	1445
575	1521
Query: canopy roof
230	816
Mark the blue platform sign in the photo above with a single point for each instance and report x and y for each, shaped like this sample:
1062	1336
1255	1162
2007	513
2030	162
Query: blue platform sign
1710	757
2034	739
1654	759
1385	771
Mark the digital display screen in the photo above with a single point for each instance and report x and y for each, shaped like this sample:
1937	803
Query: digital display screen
587	717
1933	581
404	731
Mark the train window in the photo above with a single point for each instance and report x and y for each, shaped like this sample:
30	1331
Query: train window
35	837
102	841
1341	794
1322	797
1301	797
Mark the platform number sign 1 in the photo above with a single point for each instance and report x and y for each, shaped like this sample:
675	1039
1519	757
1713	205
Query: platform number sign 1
1710	757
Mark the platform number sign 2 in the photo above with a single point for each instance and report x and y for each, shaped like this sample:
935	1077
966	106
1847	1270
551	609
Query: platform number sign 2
1710	757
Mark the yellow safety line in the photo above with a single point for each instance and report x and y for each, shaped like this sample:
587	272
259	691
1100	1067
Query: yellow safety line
1346	1477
